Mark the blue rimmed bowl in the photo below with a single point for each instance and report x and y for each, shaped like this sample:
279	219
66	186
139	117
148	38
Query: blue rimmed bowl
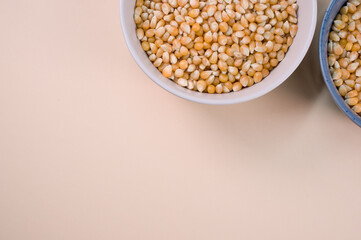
333	9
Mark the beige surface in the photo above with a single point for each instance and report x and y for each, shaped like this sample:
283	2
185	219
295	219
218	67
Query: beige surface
91	149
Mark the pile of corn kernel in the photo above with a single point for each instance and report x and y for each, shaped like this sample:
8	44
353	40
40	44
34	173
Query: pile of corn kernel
344	53
216	46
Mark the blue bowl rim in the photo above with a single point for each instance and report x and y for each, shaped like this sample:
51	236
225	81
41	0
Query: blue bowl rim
325	68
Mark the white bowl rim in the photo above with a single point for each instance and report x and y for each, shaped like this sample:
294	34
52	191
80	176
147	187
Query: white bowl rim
199	97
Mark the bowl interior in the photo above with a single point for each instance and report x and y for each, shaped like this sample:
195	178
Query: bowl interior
306	25
330	15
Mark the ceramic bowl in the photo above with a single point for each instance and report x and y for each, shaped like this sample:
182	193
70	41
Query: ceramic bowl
332	11
306	27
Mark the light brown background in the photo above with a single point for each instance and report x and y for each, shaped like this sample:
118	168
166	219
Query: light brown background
91	149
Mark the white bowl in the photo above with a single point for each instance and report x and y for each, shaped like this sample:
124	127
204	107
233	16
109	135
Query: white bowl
307	18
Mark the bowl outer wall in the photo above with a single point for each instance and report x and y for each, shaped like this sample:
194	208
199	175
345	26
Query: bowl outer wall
296	53
331	12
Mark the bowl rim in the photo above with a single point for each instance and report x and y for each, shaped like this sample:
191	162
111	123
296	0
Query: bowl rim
325	67
198	98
